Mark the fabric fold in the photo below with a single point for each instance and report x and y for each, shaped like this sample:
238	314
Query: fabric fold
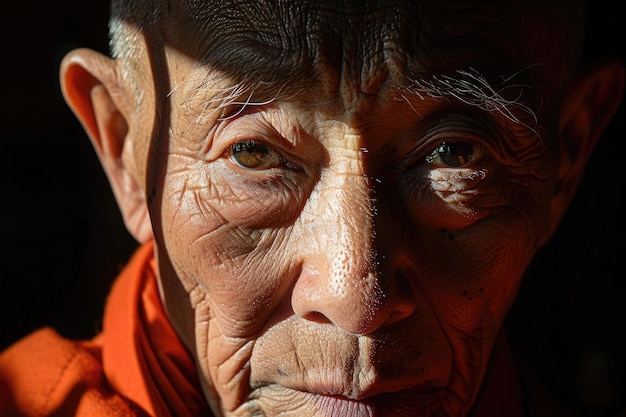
135	321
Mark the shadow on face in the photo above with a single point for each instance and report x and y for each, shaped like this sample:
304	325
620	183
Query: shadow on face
590	273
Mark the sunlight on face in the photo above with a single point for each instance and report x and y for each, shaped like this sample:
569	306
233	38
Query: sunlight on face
343	253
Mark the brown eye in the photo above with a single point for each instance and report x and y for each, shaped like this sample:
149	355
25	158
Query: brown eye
452	154
253	154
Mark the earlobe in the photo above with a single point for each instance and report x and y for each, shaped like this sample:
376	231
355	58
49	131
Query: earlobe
587	110
91	88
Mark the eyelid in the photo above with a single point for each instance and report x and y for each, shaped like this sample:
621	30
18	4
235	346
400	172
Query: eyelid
456	126
247	127
477	154
255	127
429	144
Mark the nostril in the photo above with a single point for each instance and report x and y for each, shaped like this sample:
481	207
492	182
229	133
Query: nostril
348	293
405	302
317	317
403	309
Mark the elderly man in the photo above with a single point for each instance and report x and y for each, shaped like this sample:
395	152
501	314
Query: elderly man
336	203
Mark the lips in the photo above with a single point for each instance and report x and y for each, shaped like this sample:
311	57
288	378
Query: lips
331	406
374	391
288	402
355	386
396	404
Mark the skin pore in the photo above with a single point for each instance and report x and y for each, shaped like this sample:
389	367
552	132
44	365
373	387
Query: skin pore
340	226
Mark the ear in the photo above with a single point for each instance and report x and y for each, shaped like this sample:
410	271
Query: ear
92	89
587	109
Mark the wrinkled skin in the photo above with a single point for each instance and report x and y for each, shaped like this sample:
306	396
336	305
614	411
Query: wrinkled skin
345	275
323	252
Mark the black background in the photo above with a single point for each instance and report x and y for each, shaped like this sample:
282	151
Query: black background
63	241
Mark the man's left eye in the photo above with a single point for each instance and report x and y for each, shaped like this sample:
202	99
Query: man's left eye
454	154
253	154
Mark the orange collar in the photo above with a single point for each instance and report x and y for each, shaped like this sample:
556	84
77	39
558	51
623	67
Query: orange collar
143	357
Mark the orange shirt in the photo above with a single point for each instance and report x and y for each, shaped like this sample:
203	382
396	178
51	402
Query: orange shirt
137	365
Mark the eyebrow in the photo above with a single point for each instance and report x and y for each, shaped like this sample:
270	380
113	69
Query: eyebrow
234	99
512	96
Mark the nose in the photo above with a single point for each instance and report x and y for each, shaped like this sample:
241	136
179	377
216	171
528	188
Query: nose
352	277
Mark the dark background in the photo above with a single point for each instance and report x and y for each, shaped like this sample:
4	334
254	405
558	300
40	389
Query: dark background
62	237
63	241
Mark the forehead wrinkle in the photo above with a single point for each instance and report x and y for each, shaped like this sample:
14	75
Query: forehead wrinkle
273	51
257	43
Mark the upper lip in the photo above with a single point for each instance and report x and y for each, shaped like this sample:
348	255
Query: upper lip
352	392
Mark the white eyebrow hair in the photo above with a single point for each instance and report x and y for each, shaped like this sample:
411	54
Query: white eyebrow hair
235	97
472	88
241	95
467	86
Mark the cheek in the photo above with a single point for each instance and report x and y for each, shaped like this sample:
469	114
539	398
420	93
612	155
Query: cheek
475	276
206	220
225	251
480	241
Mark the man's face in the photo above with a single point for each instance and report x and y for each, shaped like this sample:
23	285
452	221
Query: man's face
351	245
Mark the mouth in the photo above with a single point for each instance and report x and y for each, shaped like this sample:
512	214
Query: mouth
322	405
332	405
365	390
367	404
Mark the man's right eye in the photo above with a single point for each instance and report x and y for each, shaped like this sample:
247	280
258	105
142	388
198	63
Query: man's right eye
252	154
